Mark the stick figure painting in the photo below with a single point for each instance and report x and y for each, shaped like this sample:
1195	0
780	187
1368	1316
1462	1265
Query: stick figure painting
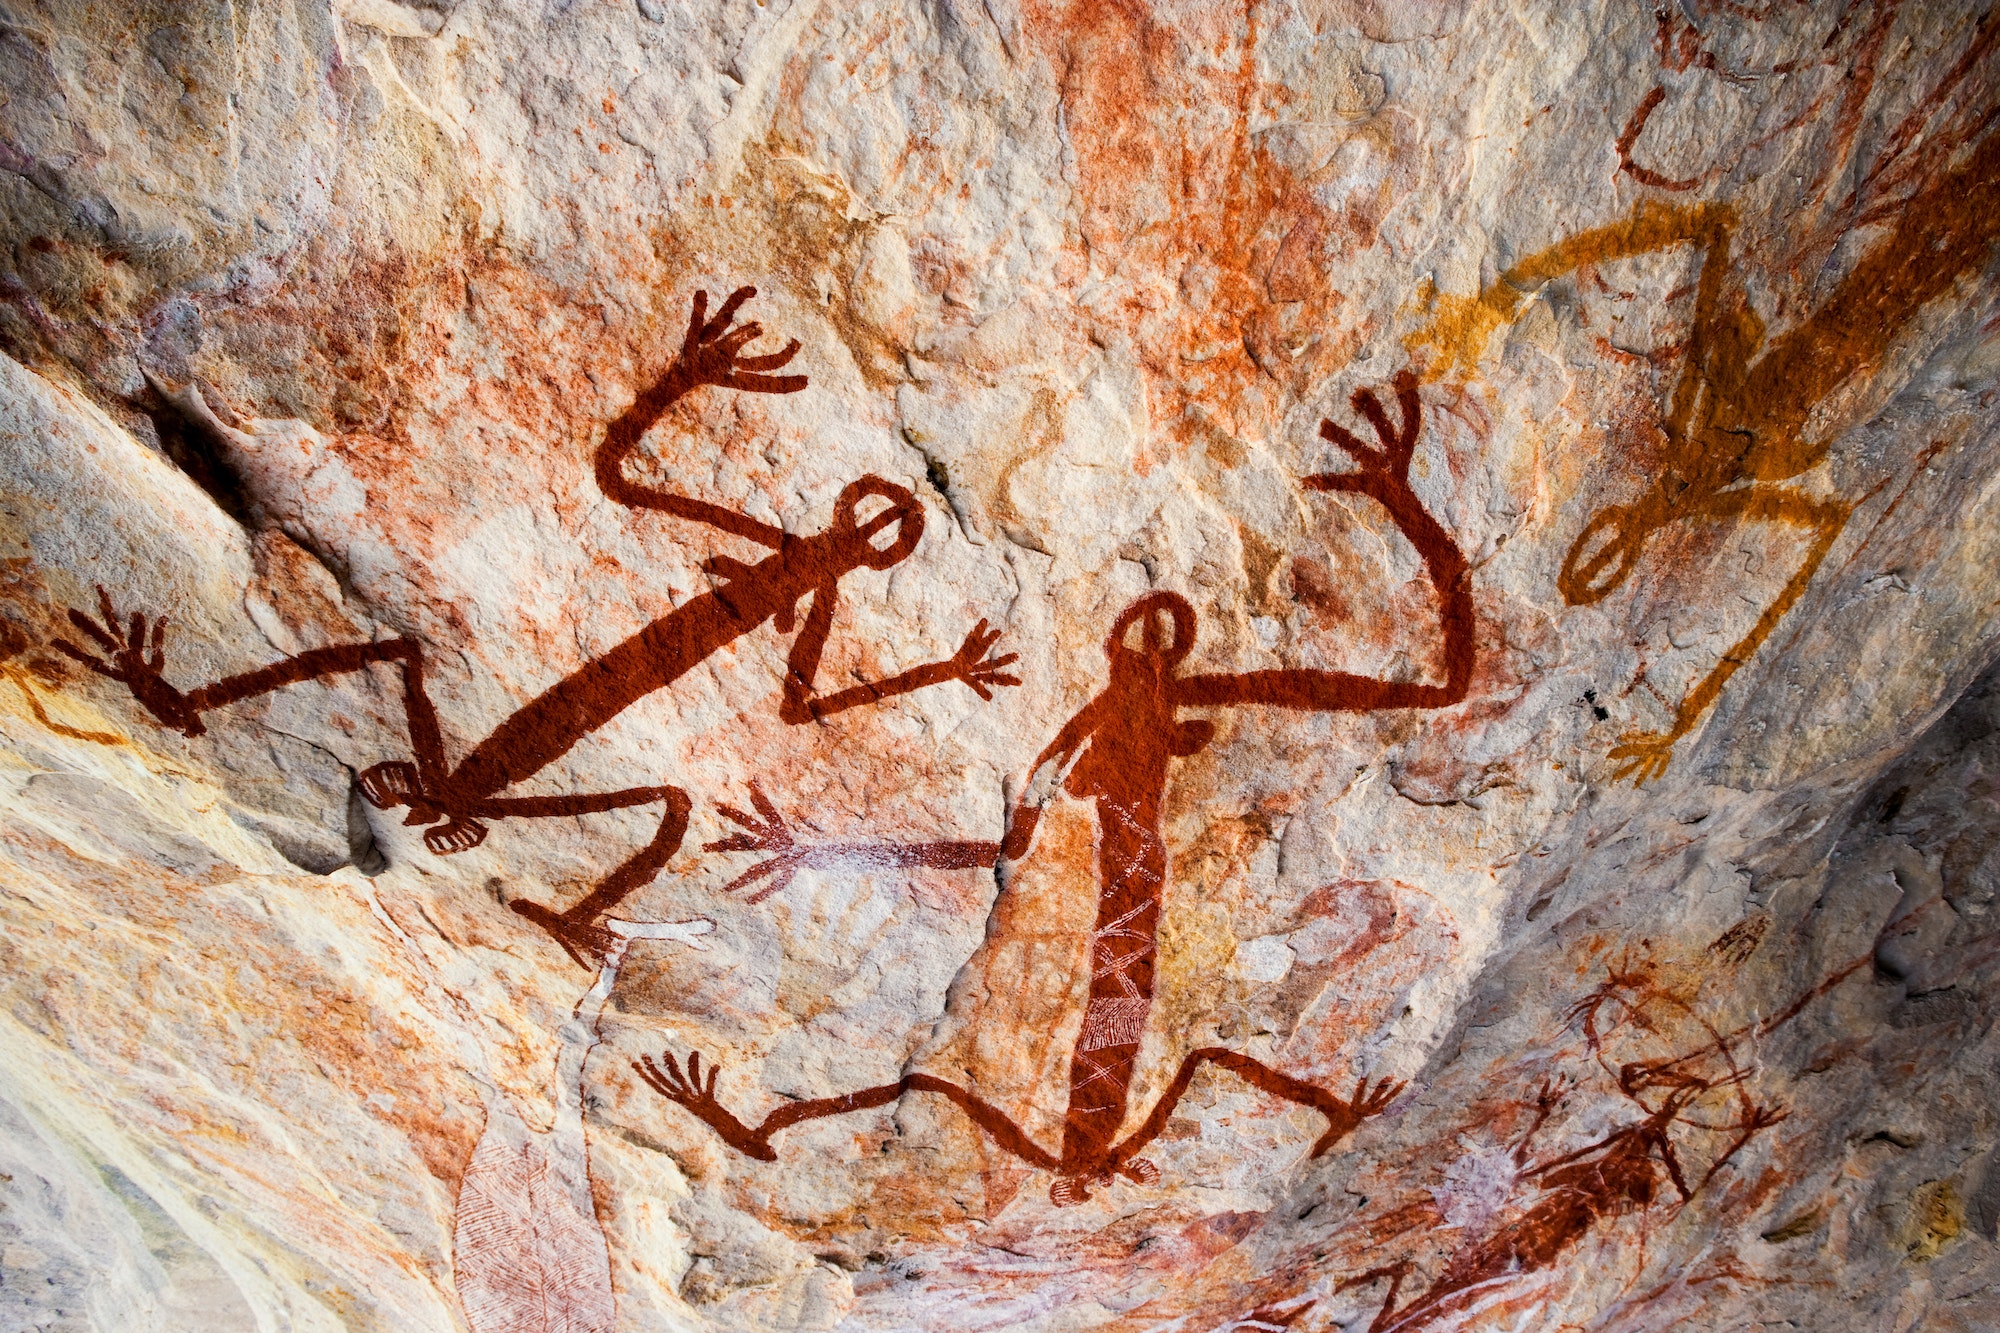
454	800
1081	666
1117	752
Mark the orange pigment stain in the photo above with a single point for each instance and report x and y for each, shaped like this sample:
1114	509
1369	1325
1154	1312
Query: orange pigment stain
1171	184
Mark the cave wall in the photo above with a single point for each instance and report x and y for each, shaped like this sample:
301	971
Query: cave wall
1325	664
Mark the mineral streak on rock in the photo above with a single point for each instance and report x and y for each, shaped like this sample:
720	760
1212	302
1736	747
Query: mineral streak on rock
784	666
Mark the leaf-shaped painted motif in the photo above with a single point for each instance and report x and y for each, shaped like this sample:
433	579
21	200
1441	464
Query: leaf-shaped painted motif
530	1254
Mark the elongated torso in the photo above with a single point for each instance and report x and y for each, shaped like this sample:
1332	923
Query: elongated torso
548	726
1132	876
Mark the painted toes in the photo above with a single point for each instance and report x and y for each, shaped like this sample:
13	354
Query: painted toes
454	835
1142	1170
385	786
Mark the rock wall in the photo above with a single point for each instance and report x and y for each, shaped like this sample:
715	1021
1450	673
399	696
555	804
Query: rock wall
1303	664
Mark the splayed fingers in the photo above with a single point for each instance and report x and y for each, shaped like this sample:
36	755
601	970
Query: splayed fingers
1642	756
713	352
972	665
765	831
135	655
686	1089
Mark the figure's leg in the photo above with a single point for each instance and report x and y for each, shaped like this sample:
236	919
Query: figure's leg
1341	1116
997	1124
577	928
1825	519
1395	1273
137	658
433	792
397	782
1646	756
424	786
697	1094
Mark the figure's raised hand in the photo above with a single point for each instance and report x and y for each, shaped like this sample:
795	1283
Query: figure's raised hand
134	657
972	665
766	834
1364	1103
713	351
1387	466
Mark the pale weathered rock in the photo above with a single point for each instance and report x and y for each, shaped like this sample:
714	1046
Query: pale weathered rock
335	334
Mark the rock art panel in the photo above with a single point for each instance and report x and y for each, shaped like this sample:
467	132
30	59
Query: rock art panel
1115	752
1466	529
453	800
1625	1171
1735	427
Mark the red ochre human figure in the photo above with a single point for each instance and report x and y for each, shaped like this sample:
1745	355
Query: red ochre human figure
744	596
1618	1174
1116	752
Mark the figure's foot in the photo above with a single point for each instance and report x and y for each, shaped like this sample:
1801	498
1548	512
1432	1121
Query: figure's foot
1643	756
386	786
585	943
1140	1171
454	835
1342	1117
1068	1191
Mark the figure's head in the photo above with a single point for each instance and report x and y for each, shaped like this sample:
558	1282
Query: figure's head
1603	554
1669	1083
855	536
1157	631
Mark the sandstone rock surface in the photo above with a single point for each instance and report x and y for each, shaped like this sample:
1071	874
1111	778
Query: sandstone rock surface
1325	664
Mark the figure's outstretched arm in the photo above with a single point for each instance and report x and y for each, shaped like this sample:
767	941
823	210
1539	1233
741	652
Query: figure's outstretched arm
971	664
1645	755
1384	476
712	353
1462	324
766	831
697	1094
1342	1115
135	655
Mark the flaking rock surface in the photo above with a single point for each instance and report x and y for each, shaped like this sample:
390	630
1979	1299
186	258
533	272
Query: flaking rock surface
1326	664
